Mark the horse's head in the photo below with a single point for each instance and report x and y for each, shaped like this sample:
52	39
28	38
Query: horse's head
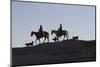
35	33
52	32
31	34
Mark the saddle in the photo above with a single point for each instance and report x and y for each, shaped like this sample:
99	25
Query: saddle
41	33
59	32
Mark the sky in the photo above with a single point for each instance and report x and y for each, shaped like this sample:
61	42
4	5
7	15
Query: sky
28	16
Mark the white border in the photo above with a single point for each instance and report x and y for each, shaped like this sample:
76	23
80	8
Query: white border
5	33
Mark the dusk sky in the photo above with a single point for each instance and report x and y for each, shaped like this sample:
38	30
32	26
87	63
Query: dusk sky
27	16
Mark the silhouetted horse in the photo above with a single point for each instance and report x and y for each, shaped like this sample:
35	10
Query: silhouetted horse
59	34
75	38
39	36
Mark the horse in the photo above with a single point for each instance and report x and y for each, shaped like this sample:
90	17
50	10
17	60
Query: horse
59	34
39	36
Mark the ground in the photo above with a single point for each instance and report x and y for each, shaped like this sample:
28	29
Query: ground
67	51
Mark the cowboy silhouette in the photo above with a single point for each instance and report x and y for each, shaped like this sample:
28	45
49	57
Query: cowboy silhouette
40	30
60	29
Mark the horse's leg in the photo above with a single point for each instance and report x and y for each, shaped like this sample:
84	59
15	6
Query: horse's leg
57	38
36	41
64	37
44	39
39	41
48	38
67	37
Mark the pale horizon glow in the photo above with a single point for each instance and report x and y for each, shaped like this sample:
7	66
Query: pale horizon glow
26	17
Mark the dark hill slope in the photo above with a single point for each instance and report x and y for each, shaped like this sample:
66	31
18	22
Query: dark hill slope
56	52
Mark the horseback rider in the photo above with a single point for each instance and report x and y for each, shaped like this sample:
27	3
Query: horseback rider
40	30
60	29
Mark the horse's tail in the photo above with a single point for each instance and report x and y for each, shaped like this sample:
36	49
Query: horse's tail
46	34
67	34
